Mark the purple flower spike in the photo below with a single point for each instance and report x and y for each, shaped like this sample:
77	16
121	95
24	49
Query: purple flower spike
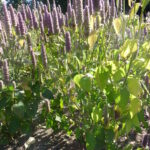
30	17
68	42
113	9
7	19
69	10
50	24
21	24
87	21
13	16
35	22
79	12
74	23
91	7
6	72
56	22
23	12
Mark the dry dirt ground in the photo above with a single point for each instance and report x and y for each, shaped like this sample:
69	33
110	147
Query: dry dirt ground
45	139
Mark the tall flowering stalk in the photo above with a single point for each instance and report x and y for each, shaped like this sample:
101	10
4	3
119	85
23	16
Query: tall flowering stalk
44	56
6	72
56	22
35	21
87	21
74	22
79	12
69	10
91	7
96	5
7	20
68	41
23	12
30	17
13	16
113	9
21	24
50	24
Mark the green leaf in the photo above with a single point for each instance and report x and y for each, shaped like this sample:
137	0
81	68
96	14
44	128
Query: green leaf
118	75
131	123
135	107
90	141
134	86
102	75
19	109
83	82
134	10
77	79
96	114
123	98
144	4
61	104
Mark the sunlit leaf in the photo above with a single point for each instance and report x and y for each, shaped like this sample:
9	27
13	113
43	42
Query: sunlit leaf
117	23
135	107
96	114
134	10
129	47
92	39
134	86
83	82
21	42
